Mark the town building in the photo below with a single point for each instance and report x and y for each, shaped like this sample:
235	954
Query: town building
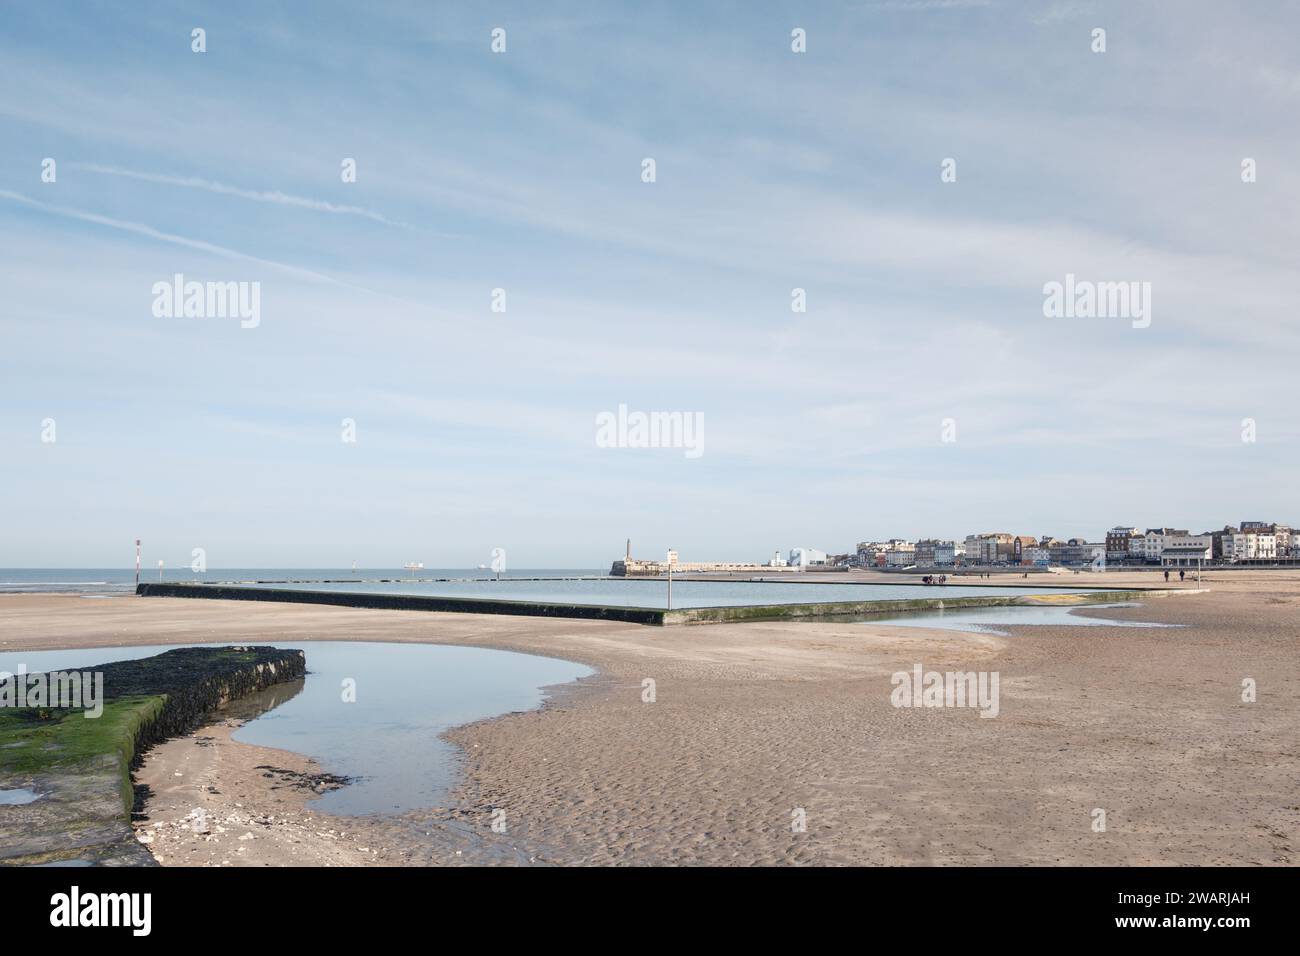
1053	547
867	551
1019	545
935	552
1118	543
1221	545
1154	542
1079	552
1187	550
993	548
806	557
1037	557
1250	546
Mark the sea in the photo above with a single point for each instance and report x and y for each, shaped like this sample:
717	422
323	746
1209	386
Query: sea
586	586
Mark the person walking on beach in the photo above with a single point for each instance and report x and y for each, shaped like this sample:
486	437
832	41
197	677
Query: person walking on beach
1166	575
1181	575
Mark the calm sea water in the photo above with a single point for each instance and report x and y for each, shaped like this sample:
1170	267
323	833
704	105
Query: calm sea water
388	739
122	580
581	586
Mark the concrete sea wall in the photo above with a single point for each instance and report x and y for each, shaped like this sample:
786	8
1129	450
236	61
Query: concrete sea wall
891	608
403	602
634	615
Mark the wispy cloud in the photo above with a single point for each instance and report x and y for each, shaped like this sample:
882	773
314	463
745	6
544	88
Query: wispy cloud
1063	10
140	229
256	195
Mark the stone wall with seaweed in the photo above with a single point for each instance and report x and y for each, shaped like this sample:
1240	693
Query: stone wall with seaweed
78	767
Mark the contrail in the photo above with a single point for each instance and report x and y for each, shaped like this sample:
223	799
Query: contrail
257	195
149	231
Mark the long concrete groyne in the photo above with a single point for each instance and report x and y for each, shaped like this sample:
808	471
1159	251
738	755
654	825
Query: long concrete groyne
893	608
403	602
636	615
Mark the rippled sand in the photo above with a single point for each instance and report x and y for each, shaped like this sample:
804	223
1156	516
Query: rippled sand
754	722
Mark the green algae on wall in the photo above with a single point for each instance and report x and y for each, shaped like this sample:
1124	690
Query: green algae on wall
80	766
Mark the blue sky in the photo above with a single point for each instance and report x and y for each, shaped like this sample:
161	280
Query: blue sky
522	170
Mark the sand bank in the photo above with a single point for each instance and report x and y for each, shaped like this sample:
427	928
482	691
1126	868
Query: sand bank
752	723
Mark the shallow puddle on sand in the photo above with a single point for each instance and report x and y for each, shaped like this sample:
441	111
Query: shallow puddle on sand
991	620
375	712
369	711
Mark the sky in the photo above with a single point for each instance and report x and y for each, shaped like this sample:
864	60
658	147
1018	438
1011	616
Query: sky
923	392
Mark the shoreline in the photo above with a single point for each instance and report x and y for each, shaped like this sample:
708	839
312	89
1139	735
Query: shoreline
755	720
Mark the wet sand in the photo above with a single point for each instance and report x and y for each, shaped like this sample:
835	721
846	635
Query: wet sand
752	723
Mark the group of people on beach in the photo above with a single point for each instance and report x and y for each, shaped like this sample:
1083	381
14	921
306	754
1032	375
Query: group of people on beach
1181	575
935	579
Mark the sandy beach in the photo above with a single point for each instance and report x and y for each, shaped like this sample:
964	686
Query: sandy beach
754	725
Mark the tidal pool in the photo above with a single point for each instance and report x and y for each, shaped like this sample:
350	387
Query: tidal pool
991	619
375	711
369	711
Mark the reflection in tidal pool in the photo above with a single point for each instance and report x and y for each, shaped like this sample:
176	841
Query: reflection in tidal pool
371	712
991	619
374	712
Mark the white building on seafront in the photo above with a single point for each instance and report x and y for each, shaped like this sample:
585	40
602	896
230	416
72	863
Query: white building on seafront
1250	546
1156	540
806	557
1187	550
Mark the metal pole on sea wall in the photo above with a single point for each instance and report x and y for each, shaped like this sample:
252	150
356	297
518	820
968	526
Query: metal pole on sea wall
137	562
669	563
160	567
